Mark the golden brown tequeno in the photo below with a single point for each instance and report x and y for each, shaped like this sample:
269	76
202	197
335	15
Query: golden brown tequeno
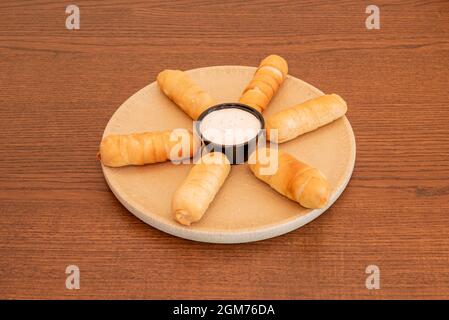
179	88
290	177
265	82
193	197
305	117
147	147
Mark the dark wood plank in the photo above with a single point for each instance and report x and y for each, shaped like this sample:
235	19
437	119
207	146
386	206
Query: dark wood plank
58	89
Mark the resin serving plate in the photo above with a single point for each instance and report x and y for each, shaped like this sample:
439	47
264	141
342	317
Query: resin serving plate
245	209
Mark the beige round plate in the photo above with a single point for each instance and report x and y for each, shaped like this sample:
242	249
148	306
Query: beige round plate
245	209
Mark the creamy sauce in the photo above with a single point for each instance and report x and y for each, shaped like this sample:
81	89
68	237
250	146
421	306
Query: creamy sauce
230	126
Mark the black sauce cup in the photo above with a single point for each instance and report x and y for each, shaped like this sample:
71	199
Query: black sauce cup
236	153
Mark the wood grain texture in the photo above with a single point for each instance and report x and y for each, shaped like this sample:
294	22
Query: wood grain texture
58	88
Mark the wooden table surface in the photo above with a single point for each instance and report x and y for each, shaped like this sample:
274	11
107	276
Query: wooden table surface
59	87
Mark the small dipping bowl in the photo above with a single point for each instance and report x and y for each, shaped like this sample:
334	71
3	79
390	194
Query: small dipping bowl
229	128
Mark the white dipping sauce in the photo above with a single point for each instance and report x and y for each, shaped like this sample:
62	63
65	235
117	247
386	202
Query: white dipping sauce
230	126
